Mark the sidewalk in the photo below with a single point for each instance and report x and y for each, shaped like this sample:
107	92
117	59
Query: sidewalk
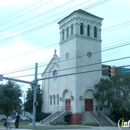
91	128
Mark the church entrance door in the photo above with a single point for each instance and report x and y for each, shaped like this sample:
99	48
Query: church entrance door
67	104
88	104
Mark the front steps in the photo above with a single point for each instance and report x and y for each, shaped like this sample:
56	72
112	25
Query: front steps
55	117
97	117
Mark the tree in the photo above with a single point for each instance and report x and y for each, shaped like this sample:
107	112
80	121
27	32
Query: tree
114	94
10	94
29	101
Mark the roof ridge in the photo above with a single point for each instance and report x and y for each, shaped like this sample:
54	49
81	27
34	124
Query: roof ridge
82	12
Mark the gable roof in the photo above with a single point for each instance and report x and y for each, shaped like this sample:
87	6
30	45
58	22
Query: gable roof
55	57
82	12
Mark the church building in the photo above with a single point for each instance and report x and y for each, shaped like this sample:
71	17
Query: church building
80	50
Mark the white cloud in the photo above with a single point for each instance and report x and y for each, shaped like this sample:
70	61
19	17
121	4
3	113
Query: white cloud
127	2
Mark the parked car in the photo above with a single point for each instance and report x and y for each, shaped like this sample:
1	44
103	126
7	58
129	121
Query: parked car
3	117
30	117
24	118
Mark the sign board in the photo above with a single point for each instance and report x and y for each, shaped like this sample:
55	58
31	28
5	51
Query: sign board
1	77
125	71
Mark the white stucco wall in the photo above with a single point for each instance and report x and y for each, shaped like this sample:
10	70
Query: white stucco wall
76	46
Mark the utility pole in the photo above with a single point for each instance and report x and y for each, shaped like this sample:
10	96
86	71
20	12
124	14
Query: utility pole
24	101
34	83
35	97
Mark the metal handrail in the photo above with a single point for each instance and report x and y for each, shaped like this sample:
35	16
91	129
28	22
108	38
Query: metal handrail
53	111
57	110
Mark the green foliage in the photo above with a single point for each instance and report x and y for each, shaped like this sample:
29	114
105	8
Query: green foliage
88	123
41	115
62	123
114	93
10	94
29	102
80	123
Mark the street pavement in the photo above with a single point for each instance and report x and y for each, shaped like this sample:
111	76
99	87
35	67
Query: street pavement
89	128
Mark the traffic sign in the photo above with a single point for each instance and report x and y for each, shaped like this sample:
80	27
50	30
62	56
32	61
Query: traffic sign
1	77
125	71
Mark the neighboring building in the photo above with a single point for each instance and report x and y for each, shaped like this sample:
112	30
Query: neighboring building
80	39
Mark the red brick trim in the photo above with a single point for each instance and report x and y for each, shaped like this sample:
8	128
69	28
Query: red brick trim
75	118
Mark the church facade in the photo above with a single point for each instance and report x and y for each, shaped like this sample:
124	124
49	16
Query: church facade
80	50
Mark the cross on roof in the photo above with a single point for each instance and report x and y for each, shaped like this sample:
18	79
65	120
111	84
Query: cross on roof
55	52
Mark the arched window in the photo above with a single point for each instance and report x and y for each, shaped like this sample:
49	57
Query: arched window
50	100
95	32
54	99
81	29
88	30
57	99
71	29
67	32
63	34
54	73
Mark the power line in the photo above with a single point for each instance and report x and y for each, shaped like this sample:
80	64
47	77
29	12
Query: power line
115	41
22	11
71	58
121	45
41	26
22	54
82	66
41	49
116	26
42	14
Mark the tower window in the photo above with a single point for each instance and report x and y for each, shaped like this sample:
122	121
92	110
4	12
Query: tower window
63	34
50	100
57	99
54	99
67	32
95	32
71	29
54	73
81	29
88	30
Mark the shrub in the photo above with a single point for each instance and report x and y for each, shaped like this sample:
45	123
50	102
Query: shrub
62	123
41	115
80	123
90	123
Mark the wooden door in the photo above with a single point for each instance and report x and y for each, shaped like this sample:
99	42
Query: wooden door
67	104
88	104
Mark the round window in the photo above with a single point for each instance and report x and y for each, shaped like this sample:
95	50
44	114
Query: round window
89	54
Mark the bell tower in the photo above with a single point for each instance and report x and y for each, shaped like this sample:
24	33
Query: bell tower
80	50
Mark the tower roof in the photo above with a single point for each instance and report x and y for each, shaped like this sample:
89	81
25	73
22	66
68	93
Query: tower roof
82	12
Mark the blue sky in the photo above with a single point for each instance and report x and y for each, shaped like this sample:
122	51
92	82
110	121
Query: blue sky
18	51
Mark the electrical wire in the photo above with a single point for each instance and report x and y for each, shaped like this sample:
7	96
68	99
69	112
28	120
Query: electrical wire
116	26
22	54
71	58
38	27
82	66
22	11
42	14
128	43
121	45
